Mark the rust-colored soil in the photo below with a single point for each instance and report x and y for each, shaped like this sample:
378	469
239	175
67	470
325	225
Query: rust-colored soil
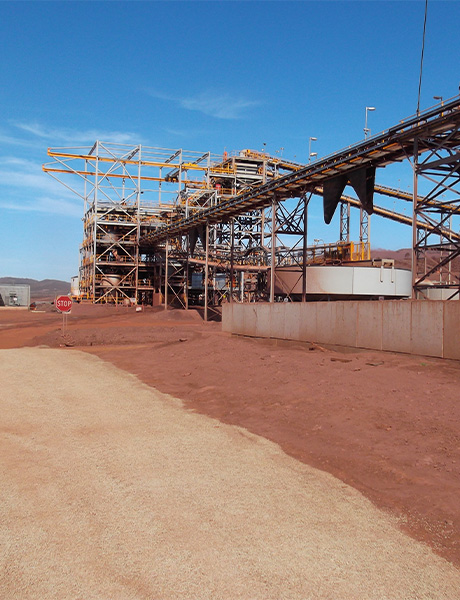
387	424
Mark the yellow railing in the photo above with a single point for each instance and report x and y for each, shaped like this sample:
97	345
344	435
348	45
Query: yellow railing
360	251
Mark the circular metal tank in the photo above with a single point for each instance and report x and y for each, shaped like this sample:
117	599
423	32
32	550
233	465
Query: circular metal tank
345	281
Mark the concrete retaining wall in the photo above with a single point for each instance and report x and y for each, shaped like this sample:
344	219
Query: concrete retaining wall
426	327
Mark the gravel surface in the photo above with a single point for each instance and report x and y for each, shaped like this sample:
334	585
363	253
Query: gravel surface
112	490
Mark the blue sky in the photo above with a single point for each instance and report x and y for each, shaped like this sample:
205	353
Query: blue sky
202	76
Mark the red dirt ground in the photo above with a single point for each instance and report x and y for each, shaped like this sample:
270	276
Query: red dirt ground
387	424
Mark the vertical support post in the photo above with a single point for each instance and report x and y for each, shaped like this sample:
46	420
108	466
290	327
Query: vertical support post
232	250
262	228
364	234
273	253
138	224
160	179
304	248
449	267
414	220
96	219
166	272
348	222
83	270
344	222
206	274
368	249
186	271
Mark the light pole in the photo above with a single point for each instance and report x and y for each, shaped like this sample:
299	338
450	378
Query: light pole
440	98
310	153
366	130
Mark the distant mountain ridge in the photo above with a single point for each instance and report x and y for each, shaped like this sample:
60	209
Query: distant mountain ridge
46	289
402	257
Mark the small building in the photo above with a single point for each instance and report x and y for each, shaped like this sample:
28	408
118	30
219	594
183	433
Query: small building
14	295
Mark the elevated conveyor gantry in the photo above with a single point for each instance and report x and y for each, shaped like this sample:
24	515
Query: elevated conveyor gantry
332	172
430	141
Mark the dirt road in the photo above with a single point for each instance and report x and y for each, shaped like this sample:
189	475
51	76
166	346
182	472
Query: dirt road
111	490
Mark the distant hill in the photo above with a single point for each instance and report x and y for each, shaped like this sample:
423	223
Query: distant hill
47	289
402	257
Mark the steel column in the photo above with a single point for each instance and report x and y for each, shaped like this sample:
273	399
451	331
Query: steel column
273	251
304	249
414	219
206	274
166	273
232	250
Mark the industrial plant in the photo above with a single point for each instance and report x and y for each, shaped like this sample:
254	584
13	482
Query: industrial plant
184	228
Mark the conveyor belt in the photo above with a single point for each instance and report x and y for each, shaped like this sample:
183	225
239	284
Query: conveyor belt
393	145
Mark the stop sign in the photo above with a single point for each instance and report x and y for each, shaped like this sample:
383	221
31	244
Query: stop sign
63	303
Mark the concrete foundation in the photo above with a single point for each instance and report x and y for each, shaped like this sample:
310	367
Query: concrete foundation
426	327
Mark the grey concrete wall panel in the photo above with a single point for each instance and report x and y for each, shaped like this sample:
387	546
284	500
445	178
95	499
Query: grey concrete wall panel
345	323
427	327
452	330
370	321
292	323
227	313
396	330
325	321
308	332
278	319
263	324
250	319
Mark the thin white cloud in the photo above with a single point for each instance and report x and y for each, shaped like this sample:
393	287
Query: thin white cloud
75	136
185	133
19	174
9	140
25	187
217	105
221	107
52	206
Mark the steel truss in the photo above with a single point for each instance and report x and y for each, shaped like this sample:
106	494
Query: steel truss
188	227
126	190
227	263
436	243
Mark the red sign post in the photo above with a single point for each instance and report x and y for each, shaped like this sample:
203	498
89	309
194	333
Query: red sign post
64	304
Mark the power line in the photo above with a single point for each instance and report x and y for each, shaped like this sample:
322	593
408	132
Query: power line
421	59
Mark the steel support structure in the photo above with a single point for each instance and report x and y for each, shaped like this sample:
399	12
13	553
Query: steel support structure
364	227
345	221
274	206
126	190
226	219
436	244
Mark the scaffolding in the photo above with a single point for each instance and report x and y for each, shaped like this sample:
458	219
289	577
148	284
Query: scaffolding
126	190
185	227
130	191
